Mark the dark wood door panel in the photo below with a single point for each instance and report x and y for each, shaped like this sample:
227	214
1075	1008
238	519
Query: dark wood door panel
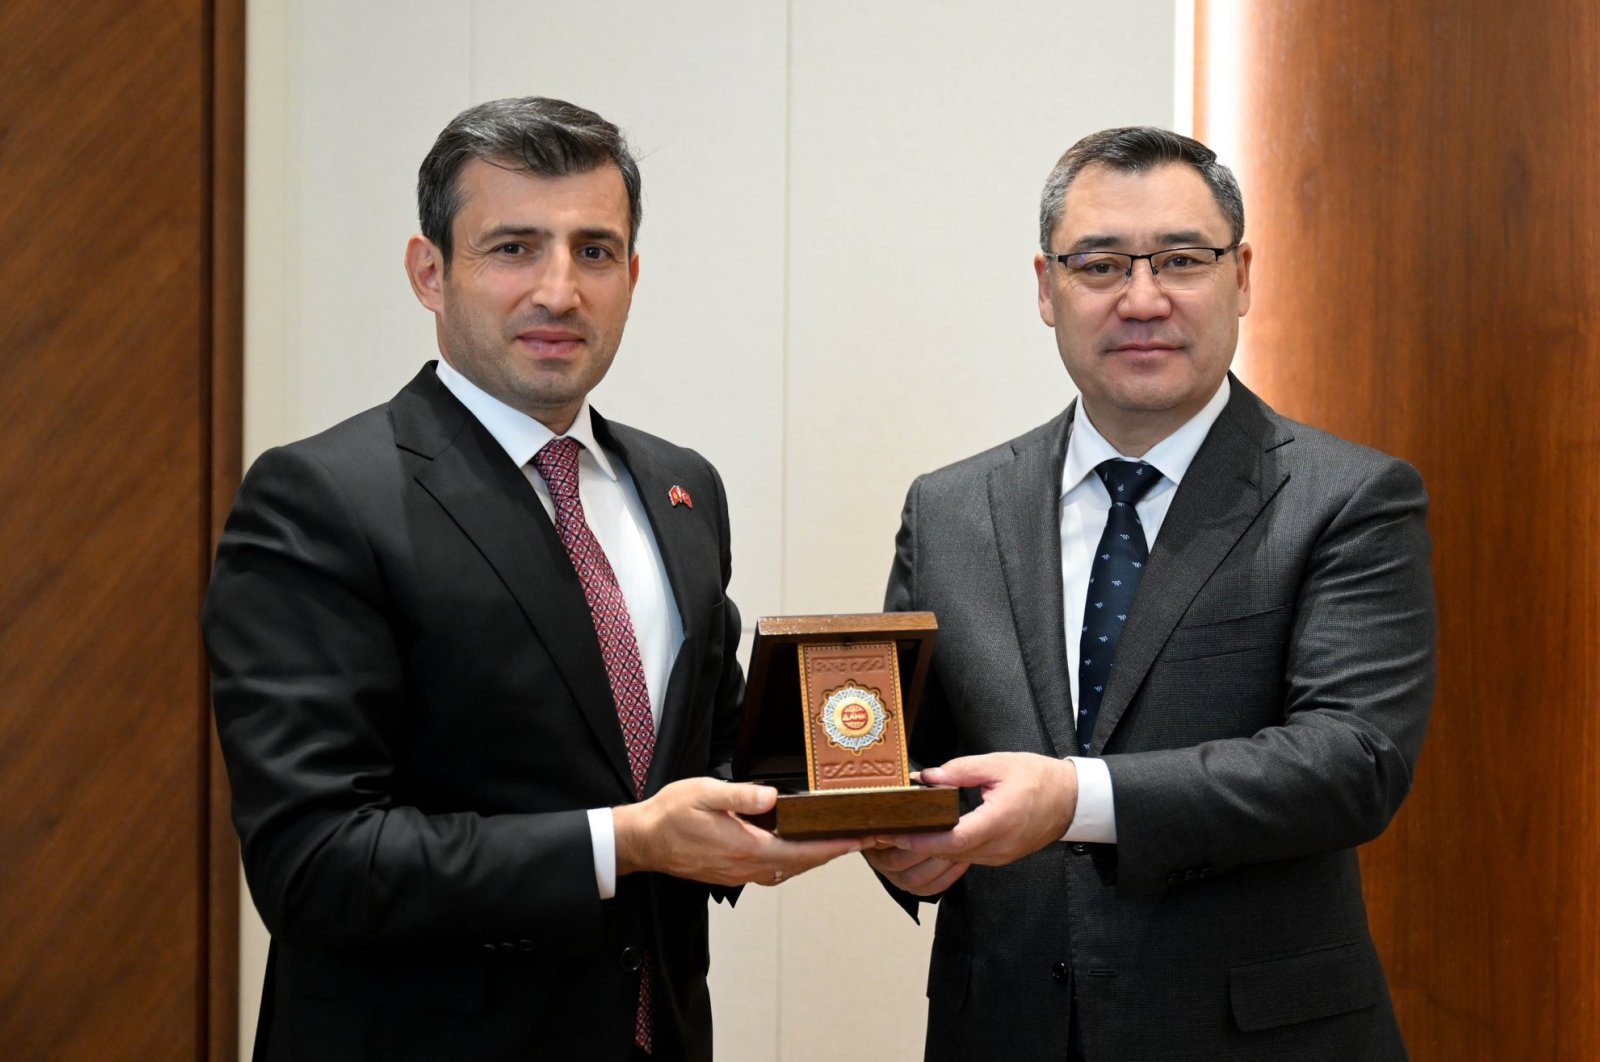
107	136
1425	207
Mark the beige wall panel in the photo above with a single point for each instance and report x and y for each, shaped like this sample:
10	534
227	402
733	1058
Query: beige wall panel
745	959
700	91
920	136
371	84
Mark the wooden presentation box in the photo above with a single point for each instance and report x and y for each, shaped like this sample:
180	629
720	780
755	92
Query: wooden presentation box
828	708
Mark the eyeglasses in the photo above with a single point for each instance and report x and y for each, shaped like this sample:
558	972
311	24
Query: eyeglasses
1175	269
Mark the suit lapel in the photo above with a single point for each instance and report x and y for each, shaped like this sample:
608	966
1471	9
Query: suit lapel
677	531
490	499
681	539
1025	505
1226	488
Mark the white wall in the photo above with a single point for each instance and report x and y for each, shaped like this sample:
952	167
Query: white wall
840	200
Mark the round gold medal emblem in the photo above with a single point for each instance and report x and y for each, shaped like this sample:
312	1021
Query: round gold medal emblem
854	717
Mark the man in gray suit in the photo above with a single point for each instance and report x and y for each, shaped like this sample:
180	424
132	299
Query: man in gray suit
1158	858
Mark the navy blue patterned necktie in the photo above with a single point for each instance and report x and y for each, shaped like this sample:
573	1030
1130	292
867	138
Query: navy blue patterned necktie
1113	578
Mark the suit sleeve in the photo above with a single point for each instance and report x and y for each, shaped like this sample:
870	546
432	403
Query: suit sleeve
932	741
310	695
729	701
1358	688
728	706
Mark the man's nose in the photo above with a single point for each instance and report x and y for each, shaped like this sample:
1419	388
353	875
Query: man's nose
556	288
1144	297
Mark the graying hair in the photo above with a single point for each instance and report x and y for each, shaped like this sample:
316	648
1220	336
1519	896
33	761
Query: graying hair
550	138
1137	149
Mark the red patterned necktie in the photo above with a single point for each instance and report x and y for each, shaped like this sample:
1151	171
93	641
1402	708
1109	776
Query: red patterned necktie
557	462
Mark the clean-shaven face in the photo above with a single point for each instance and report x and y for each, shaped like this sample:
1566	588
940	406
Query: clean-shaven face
1144	359
533	306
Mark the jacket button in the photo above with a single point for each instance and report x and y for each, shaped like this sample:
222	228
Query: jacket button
1061	973
632	959
1078	848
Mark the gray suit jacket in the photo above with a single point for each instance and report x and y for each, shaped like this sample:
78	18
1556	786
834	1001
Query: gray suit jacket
1263	718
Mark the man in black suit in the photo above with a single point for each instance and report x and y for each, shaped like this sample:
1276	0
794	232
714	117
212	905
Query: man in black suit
1185	664
473	662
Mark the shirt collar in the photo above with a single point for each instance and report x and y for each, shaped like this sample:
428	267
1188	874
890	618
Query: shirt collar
1172	456
518	434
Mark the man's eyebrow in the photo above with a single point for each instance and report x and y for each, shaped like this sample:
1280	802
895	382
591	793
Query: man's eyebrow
1185	238
1181	238
526	232
1096	243
500	232
609	235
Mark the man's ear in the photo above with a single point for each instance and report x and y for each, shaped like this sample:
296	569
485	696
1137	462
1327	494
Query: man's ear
1242	277
1047	308
425	270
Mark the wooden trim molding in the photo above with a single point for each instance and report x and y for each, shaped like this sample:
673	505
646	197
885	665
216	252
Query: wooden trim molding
221	1010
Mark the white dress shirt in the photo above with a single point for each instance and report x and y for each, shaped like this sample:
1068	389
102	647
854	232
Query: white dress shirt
612	508
1084	505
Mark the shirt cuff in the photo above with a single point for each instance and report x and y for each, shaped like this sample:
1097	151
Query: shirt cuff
603	836
1095	819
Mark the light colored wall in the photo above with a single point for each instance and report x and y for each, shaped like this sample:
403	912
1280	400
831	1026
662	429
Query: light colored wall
835	295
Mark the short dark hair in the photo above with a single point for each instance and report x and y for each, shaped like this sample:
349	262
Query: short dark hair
550	138
1138	148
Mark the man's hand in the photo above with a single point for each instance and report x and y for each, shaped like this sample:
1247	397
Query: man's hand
691	829
920	875
1028	802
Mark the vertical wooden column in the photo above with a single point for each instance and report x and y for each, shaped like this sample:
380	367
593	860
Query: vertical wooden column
120	143
225	466
1422	188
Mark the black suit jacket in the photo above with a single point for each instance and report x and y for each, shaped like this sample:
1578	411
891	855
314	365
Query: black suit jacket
1263	717
415	717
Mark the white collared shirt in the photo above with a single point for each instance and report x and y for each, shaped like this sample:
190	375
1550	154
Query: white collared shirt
612	508
1084	505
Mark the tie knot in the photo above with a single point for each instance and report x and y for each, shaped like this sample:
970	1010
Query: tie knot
1127	481
557	462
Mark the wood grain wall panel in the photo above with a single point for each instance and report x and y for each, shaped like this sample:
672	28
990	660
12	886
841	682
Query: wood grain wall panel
1425	207
106	885
225	467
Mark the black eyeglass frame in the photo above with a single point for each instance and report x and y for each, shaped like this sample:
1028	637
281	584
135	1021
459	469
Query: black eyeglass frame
1134	259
